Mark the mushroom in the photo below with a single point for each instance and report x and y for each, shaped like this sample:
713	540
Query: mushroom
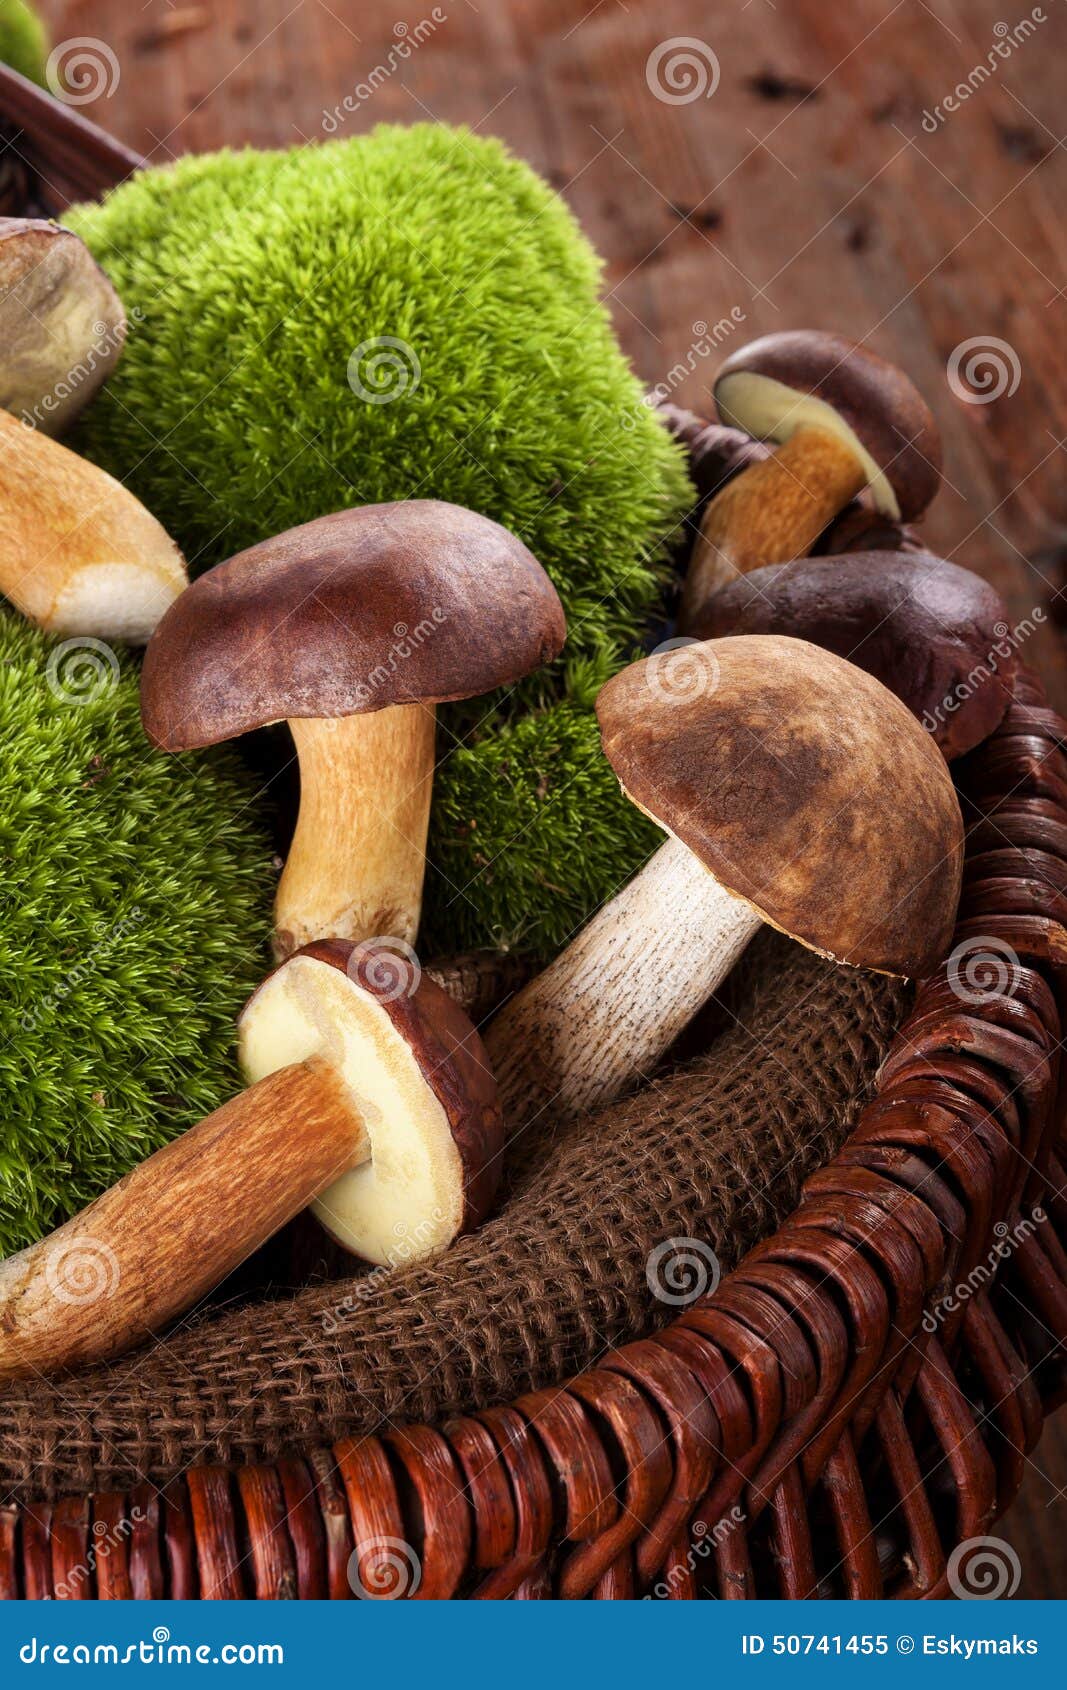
843	420
352	629
357	1062
931	632
62	325
795	790
78	553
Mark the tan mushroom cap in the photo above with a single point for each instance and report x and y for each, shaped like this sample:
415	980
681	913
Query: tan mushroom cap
414	602
804	786
783	382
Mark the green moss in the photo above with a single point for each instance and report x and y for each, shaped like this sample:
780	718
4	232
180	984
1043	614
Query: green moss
251	278
23	40
135	898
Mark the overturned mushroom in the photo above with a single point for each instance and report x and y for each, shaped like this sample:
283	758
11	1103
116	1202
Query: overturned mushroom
62	325
929	631
796	790
843	420
352	629
78	553
356	1063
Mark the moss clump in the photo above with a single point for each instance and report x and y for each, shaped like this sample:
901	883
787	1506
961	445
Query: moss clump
251	279
135	896
23	40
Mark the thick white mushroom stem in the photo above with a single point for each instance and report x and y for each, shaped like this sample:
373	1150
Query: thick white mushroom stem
772	512
145	1251
603	1013
358	857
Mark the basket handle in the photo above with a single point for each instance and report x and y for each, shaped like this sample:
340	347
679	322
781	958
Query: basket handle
74	157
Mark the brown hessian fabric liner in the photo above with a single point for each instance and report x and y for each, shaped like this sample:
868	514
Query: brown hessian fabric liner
716	1151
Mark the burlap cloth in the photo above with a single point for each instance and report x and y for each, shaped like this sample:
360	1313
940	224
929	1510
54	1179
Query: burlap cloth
716	1149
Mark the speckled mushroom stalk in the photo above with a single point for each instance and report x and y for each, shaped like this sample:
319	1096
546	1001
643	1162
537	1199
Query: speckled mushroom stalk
843	420
369	1093
352	629
78	553
62	326
796	791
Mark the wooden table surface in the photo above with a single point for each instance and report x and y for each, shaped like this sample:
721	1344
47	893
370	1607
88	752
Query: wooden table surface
808	168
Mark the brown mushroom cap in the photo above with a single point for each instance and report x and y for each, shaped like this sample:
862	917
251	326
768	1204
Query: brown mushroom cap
421	1081
804	786
928	630
418	601
805	377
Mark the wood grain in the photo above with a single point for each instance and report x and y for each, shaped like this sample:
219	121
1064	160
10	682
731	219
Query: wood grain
805	190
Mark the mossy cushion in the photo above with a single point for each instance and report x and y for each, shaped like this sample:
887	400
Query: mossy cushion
488	376
135	907
23	39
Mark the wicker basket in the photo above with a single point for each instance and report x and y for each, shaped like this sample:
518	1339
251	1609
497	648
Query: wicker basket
856	1400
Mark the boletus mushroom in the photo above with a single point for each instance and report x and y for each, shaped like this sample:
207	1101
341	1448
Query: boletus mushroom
62	325
931	632
795	790
352	629
843	420
370	1092
78	553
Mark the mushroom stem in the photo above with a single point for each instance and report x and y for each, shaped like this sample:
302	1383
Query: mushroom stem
608	1007
358	857
149	1247
772	512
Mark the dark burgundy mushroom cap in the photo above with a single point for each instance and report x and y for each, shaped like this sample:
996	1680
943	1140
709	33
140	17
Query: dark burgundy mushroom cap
783	381
715	452
861	529
418	601
803	786
929	631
